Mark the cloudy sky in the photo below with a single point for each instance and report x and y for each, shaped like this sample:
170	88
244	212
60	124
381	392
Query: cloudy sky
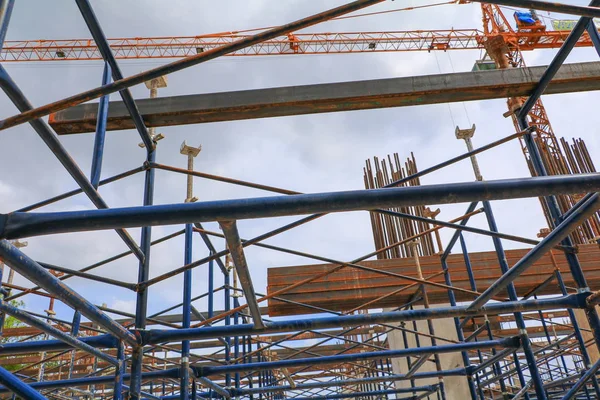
315	153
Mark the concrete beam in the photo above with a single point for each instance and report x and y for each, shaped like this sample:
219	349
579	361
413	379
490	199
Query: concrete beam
331	97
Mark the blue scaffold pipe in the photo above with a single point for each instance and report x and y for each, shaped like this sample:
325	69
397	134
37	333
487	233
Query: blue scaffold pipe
100	39
187	312
96	380
17	225
31	270
98	152
581	382
18	387
141	305
204	395
512	342
6	8
38	346
368	394
592	30
555	237
317	385
76	324
119	373
349	382
52	331
156	336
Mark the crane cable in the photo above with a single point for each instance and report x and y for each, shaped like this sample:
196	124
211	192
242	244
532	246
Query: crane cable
350	16
463	103
145	62
447	104
395	10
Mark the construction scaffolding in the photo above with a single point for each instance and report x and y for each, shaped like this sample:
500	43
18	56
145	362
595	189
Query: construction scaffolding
407	320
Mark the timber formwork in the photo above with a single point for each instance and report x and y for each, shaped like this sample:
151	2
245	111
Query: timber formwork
525	320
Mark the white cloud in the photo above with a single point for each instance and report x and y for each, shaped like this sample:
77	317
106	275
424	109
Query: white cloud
127	306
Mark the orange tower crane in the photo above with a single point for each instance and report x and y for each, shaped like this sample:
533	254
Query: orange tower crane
305	43
502	43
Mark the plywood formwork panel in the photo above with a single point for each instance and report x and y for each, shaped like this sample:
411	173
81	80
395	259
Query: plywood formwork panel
350	287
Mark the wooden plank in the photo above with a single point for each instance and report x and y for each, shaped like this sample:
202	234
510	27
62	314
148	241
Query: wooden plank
352	287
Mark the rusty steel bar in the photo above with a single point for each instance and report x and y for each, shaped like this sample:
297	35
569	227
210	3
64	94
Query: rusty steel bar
58	334
236	250
92	277
77	191
353	264
464	228
95	265
185	63
23	290
222	179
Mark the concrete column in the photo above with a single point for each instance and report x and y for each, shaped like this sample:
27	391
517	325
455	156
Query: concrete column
456	386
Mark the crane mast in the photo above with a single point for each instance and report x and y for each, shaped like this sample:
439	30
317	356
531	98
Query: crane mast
503	48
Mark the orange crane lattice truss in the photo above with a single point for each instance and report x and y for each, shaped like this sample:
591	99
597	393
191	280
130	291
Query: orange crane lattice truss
309	43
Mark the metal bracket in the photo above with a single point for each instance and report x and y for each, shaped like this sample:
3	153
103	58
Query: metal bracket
465	133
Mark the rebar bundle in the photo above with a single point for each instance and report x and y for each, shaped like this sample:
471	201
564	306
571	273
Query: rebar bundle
389	229
573	159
